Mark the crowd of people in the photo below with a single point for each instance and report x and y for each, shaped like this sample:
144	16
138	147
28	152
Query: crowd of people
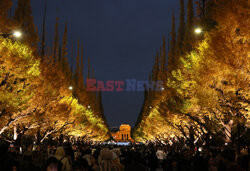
150	157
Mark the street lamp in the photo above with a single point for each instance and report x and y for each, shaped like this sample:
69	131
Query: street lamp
70	88
17	34
198	30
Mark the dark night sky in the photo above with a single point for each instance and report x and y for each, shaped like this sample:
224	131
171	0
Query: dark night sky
120	37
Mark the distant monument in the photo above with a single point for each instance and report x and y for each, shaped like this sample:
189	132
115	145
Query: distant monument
123	134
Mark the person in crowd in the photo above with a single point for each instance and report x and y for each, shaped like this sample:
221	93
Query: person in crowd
116	158
212	164
143	157
77	154
69	152
61	156
82	165
135	162
108	161
5	160
152	158
52	164
170	163
27	163
229	160
160	155
37	155
186	161
244	161
200	160
92	164
96	153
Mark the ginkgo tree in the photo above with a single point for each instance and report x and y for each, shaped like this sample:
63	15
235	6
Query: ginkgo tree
35	97
18	71
207	93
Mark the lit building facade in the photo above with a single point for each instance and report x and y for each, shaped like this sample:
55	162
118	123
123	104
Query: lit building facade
123	134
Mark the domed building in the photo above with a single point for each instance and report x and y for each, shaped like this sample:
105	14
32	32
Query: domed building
123	134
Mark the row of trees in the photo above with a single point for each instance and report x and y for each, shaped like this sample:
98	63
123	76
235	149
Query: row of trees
206	82
40	93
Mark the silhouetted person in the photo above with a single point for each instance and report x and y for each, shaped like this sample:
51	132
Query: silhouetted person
5	160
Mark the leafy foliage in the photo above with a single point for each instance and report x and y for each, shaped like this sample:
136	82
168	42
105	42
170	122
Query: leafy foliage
207	93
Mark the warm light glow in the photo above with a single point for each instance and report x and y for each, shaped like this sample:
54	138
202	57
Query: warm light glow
15	136
17	34
15	133
198	30
150	107
70	87
162	88
170	142
88	107
200	149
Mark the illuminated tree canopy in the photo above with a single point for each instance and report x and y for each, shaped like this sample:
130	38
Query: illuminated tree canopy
207	91
35	97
